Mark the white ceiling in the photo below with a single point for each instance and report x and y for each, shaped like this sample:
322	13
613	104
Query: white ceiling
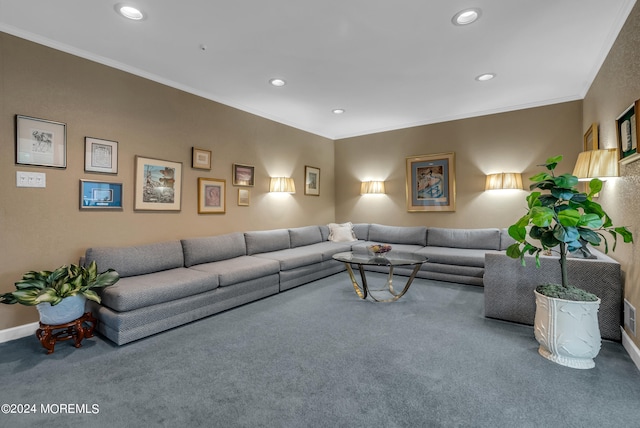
389	63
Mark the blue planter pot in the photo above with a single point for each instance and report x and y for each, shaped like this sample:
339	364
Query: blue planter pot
71	308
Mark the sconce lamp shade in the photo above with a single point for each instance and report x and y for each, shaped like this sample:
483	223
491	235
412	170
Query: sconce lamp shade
597	164
369	187
504	180
282	185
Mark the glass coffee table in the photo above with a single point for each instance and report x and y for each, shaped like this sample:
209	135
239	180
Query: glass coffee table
391	260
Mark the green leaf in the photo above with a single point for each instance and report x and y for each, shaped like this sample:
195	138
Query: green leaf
543	176
542	216
91	295
513	251
518	232
595	186
569	217
592	221
625	233
566	181
589	235
553	162
106	278
566	234
26	297
532	199
49	295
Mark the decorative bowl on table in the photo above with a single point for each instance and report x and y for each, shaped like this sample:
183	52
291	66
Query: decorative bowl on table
379	250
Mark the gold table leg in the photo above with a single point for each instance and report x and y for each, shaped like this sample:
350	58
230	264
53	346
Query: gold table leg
363	291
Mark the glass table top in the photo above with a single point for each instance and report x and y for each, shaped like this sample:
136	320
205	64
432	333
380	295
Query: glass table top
391	258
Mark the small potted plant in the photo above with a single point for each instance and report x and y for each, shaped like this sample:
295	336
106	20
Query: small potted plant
564	220
60	295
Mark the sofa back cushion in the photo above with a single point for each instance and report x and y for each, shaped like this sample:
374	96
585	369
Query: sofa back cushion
361	230
213	248
415	235
306	235
505	239
480	239
138	260
264	241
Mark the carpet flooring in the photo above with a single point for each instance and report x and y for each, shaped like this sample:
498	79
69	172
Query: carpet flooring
318	356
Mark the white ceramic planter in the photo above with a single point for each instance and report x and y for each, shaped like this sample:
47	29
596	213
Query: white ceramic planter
567	331
71	308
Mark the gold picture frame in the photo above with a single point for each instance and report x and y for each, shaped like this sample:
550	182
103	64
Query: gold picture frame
590	141
158	185
243	175
211	195
243	197
311	181
431	182
200	158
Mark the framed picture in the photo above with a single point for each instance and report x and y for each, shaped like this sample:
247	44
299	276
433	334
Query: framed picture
211	195
100	155
431	182
591	138
200	158
243	197
158	184
41	142
243	175
100	195
627	134
311	181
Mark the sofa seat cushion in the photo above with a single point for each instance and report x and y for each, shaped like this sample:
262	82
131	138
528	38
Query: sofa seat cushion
239	269
264	241
487	239
134	292
213	248
327	249
453	256
294	257
138	260
415	235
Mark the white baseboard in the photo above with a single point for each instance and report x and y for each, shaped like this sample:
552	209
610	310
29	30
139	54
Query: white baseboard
631	348
18	332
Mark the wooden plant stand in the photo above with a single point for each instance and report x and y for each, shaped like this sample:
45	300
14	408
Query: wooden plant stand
77	330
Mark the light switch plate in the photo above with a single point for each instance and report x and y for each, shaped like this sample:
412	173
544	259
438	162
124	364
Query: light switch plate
31	179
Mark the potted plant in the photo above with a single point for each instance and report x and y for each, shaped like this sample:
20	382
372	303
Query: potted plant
564	220
60	295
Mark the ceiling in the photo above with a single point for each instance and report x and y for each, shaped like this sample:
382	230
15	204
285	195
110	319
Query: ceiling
389	64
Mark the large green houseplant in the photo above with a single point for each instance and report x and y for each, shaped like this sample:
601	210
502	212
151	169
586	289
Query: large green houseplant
45	289
562	219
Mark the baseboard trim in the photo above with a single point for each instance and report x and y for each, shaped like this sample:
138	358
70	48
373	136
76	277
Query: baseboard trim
18	332
631	348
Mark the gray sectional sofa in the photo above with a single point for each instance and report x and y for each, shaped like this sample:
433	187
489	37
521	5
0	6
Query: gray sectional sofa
168	284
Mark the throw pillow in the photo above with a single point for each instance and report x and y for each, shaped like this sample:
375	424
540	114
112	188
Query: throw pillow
341	232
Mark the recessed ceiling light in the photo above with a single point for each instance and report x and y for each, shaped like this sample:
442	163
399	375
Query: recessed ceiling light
129	12
277	82
466	17
486	76
338	111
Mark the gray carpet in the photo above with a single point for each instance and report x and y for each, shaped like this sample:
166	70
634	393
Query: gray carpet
317	356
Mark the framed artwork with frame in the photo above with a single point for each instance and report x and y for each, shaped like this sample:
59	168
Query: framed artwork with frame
431	182
627	134
243	175
100	155
158	185
591	138
41	142
311	181
100	195
211	195
200	158
243	197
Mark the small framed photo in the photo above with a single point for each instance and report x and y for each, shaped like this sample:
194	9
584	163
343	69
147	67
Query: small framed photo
311	181
100	155
158	184
243	197
211	195
243	175
200	158
41	142
591	138
431	182
627	133
100	195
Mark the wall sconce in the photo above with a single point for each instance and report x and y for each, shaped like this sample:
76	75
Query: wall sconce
282	185
372	187
504	181
597	164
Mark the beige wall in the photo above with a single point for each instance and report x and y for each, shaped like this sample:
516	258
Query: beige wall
615	88
43	228
516	141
